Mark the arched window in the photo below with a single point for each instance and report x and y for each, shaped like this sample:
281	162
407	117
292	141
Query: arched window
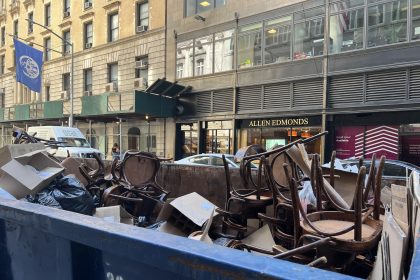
134	138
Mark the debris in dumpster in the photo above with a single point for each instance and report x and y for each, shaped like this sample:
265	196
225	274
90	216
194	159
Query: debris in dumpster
114	214
72	195
45	198
28	173
341	230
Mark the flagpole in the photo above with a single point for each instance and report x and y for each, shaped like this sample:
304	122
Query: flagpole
71	117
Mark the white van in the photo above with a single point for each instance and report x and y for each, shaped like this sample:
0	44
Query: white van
75	142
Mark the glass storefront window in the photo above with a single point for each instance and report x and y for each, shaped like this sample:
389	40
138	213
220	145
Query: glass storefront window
415	14
203	55
271	137
184	59
249	45
219	137
277	40
190	139
387	23
223	51
309	38
346	28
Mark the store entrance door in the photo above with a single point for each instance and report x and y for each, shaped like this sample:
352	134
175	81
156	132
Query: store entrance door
219	137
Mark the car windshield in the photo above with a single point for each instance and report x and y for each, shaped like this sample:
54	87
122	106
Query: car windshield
74	142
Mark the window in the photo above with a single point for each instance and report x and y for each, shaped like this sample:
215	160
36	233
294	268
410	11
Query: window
2	97
88	35
30	24
66	46
2	63
346	26
47	49
16	28
143	14
47	93
113	73
184	58
387	23
87	4
151	141
3	36
87	79
66	82
66	8
112	27
203	55
277	40
415	14
199	67
249	45
223	51
47	14
192	7
309	38
200	160
142	67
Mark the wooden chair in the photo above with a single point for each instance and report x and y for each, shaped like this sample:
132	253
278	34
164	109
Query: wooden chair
242	204
354	231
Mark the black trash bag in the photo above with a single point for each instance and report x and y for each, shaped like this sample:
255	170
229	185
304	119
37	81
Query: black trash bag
44	198
72	195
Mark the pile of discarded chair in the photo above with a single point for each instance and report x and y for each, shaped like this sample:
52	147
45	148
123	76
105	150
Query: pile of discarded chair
130	182
331	234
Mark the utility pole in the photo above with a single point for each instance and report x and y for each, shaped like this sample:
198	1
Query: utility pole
71	117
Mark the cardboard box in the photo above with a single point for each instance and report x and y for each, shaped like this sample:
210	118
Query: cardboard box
114	214
185	214
10	151
28	173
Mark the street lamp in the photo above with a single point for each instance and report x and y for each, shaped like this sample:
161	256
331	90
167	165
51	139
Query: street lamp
71	117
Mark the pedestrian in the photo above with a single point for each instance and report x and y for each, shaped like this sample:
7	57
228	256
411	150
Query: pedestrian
115	151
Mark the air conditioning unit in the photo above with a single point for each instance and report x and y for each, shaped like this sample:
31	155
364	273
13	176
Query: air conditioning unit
141	28
141	64
111	87
66	14
87	93
140	83
88	45
88	5
65	94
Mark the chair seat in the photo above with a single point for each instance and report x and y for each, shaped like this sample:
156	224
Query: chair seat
333	221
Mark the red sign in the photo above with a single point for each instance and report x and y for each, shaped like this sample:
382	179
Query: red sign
357	141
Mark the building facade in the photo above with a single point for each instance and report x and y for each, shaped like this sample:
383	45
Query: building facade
117	51
269	72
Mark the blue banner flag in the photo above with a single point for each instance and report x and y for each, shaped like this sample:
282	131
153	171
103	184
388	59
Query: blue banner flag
28	65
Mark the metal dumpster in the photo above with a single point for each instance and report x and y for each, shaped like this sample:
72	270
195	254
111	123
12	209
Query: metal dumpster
37	242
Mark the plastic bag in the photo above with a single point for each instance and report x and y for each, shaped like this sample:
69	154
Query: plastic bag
306	196
72	195
44	198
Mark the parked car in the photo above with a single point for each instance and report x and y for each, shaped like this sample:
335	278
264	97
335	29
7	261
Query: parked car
395	171
208	159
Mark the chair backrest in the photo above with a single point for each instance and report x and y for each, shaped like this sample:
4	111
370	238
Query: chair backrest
139	168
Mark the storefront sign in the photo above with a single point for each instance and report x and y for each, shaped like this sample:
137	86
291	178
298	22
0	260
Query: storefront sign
357	141
282	122
410	151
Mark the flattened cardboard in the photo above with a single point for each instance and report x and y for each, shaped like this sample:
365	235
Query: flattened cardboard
194	207
115	214
10	151
399	206
262	238
28	173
